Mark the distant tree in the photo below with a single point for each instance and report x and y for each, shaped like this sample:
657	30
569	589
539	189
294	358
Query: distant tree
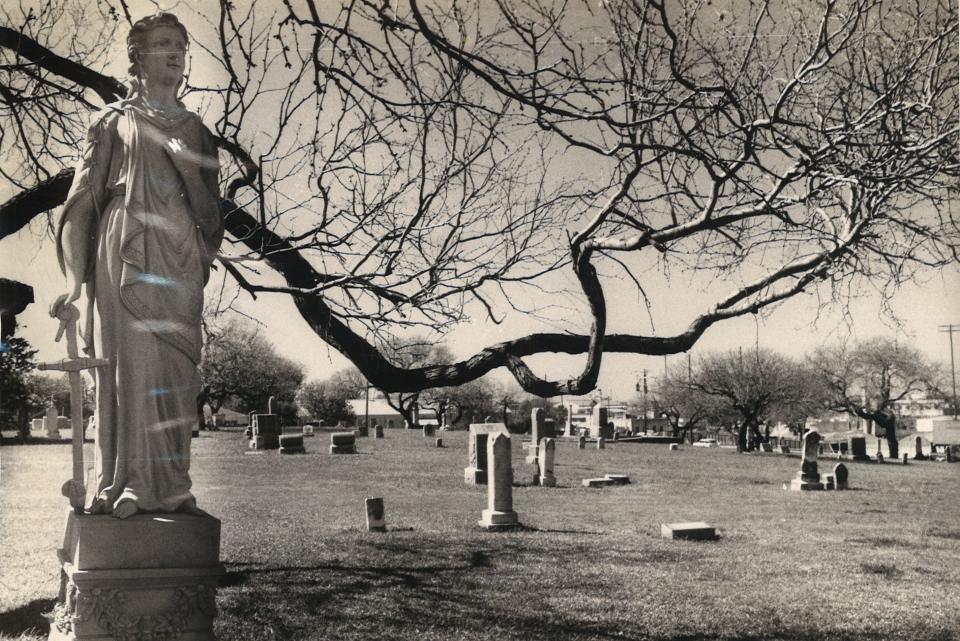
416	352
325	401
240	369
685	406
868	379
750	388
468	401
16	363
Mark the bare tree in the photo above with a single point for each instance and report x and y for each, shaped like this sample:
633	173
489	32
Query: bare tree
868	379
751	387
409	163
685	406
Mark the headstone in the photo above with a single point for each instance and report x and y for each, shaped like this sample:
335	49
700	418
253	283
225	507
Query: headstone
808	478
597	482
36	425
292	443
439	442
476	471
918	450
879	457
674	447
545	457
268	427
64	423
829	481
549	428
343	443
766	447
376	519
50	424
618	479
568	428
840	476
697	531
598	421
363	431
499	514
784	449
429	431
858	448
601	443
906	458
378	431
270	405
950	455
536	433
582	442
308	430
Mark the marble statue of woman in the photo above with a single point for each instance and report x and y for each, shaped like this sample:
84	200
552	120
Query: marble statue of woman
140	227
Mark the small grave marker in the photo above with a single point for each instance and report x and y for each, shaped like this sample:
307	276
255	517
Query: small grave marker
693	531
376	519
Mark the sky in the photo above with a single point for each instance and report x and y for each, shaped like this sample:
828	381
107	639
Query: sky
793	328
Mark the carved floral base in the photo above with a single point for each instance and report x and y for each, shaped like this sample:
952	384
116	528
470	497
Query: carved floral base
137	603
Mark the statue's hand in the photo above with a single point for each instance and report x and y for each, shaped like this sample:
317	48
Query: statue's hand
64	299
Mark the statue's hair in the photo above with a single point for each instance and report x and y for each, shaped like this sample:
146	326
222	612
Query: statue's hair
137	41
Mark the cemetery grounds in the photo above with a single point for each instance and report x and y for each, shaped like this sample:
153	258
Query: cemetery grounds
880	562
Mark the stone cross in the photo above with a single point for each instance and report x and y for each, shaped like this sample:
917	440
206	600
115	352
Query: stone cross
73	489
499	514
545	457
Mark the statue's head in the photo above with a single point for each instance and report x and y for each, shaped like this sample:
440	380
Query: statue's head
156	48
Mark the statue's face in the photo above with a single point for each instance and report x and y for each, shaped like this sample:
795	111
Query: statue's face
162	60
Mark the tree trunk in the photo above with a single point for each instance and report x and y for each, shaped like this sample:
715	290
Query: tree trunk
889	425
742	437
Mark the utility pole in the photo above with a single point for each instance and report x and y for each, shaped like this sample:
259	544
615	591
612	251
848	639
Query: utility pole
644	401
366	409
950	329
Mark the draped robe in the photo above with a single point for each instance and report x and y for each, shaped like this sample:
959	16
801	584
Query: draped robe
148	258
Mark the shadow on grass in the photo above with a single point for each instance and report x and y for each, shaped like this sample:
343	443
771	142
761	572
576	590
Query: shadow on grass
27	619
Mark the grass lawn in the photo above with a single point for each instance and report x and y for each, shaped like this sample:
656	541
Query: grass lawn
880	562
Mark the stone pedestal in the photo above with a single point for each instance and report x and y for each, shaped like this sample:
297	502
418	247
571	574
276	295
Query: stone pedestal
151	576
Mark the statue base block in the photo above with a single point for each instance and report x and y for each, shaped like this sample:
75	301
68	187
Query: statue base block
151	576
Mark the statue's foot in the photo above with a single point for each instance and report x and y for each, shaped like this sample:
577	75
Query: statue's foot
99	506
125	509
190	507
